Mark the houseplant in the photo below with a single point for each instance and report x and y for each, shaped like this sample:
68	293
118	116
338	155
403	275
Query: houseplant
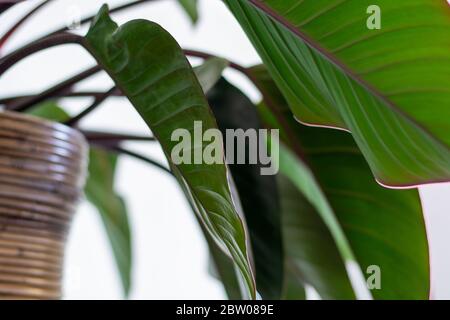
307	223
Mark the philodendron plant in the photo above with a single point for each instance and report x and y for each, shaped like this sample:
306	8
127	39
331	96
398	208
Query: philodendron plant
355	114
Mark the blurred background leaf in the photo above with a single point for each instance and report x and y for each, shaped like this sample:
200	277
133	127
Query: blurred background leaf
258	193
312	256
191	8
100	192
382	227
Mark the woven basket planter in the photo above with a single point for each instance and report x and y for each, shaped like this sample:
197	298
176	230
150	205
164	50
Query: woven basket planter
42	174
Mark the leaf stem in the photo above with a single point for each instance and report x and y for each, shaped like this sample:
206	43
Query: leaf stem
6	6
100	137
205	55
86	20
133	154
98	101
78	94
61	88
51	41
55	38
112	10
16	26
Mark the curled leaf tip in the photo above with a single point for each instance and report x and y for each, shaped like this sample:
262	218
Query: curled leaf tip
102	14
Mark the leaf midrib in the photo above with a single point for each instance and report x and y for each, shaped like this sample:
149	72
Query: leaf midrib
343	67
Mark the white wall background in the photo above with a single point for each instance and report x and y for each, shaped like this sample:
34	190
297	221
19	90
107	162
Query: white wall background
170	257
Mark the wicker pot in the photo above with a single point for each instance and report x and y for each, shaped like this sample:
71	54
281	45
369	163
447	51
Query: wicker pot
42	174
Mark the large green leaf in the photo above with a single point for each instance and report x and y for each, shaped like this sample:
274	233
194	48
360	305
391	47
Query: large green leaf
389	87
258	193
312	256
294	289
100	192
149	67
222	268
379	226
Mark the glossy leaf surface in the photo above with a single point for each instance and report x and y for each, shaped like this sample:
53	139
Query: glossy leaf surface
149	67
392	93
378	226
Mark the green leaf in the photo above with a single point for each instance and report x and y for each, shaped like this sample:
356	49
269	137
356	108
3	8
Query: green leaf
223	267
50	111
294	289
312	256
392	93
383	227
100	192
258	193
379	226
209	72
224	270
191	8
149	67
